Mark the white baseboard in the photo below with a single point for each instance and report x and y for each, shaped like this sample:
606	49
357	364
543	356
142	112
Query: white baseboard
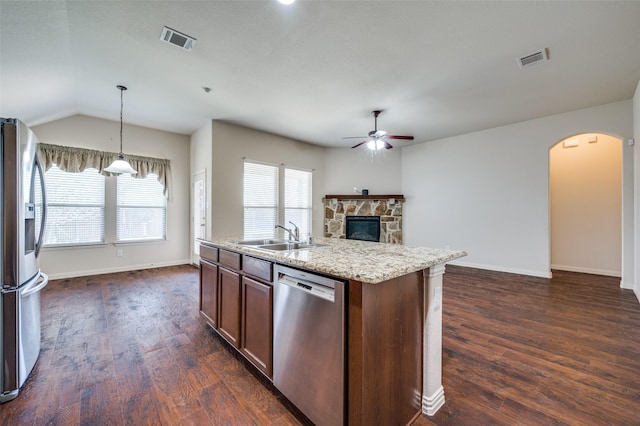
637	293
127	268
626	286
432	403
605	272
541	274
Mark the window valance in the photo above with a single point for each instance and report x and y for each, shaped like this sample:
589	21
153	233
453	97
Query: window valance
75	160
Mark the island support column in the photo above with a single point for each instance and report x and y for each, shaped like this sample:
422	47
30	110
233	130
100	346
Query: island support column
432	390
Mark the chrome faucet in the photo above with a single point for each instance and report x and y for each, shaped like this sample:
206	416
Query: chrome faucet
296	231
293	234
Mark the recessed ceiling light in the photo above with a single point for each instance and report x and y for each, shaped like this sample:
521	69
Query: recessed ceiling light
286	1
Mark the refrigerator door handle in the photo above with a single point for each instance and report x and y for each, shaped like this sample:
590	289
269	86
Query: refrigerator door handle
37	285
40	240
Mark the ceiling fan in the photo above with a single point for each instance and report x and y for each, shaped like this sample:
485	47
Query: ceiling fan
377	138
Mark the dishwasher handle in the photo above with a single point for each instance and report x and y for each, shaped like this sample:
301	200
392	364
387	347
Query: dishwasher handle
314	289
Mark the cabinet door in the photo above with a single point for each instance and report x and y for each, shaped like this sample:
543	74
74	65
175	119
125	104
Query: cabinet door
209	292
229	310
257	323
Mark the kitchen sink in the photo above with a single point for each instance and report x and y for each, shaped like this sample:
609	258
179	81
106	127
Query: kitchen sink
289	246
260	242
286	246
277	245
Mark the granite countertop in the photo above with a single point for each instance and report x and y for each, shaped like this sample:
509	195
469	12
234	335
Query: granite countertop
364	261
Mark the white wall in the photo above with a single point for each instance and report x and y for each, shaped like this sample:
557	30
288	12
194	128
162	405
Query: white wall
487	192
93	133
230	144
347	168
586	205
636	137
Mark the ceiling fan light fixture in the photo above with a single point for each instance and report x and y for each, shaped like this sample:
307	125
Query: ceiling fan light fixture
120	165
377	139
375	144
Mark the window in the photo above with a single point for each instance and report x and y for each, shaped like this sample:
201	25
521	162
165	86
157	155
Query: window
297	199
76	197
262	209
75	211
260	200
141	209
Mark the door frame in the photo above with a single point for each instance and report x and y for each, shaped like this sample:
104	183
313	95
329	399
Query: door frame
195	177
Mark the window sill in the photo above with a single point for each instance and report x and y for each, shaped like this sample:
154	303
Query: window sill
139	242
73	246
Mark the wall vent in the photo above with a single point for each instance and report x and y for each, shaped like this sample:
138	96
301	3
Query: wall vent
177	38
533	58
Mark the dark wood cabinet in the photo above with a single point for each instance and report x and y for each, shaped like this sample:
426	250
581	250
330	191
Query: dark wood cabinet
229	308
236	299
257	323
209	292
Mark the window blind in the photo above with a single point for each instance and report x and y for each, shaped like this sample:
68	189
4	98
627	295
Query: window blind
260	200
141	209
75	202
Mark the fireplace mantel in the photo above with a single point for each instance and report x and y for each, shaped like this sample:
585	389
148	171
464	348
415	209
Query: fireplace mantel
399	197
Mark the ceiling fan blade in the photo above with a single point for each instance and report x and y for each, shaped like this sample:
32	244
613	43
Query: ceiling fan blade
387	145
355	146
354	137
407	138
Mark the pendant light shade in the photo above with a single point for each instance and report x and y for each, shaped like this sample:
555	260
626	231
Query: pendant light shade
120	165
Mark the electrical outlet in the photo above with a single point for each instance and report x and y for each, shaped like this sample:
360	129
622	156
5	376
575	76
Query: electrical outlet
119	253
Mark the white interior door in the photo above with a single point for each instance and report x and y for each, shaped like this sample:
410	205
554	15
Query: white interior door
198	214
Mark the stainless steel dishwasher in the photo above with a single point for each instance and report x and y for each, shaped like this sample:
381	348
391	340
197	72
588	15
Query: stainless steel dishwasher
309	344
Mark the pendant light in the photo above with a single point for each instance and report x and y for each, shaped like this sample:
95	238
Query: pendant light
120	165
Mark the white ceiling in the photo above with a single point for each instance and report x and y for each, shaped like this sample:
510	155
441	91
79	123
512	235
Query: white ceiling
314	70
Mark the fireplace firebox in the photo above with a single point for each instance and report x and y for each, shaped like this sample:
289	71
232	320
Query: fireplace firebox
366	228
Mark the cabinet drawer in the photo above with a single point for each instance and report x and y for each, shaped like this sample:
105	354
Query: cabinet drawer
209	253
230	259
258	267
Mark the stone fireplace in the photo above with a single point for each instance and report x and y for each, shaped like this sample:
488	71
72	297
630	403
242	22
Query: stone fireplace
387	207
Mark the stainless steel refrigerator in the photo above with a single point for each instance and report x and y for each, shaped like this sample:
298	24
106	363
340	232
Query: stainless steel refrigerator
23	215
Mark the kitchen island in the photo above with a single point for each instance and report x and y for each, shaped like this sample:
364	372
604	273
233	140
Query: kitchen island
393	356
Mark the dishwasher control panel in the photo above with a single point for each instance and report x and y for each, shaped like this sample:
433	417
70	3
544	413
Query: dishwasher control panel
314	289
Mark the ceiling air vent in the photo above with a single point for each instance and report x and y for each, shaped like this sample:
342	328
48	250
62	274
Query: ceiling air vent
177	39
533	58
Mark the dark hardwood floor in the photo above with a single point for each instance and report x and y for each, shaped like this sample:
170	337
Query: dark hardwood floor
130	348
533	351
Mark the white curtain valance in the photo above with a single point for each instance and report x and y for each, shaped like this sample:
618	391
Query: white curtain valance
75	160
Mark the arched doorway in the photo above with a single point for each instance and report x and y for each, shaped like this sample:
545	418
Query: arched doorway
585	191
